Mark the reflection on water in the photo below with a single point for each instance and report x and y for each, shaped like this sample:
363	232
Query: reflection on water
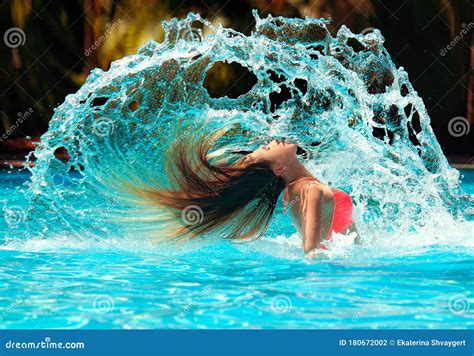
124	283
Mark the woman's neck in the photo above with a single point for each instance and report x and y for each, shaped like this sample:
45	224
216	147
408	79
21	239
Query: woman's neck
294	171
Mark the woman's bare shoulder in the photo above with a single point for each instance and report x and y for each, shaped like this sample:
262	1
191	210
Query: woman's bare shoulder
318	192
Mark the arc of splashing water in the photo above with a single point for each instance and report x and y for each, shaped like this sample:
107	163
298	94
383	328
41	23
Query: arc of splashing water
365	127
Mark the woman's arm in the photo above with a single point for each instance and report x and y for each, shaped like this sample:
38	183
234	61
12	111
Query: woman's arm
316	216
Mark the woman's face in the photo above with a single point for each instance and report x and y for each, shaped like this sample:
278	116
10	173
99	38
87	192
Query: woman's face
276	153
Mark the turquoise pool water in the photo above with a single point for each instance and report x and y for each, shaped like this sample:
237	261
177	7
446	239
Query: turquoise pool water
124	282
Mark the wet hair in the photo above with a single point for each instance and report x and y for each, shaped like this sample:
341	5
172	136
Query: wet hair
212	190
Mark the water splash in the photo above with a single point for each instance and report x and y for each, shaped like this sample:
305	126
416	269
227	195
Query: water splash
364	126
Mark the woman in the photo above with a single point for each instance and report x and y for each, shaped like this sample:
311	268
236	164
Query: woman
237	195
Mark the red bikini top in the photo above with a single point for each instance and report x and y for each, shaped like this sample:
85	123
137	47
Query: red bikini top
342	212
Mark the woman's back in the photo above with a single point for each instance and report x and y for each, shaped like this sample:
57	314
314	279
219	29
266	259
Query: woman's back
318	210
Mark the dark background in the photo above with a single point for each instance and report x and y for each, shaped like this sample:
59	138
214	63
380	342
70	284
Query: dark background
52	63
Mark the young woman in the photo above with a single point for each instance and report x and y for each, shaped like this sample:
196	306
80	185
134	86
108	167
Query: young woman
235	196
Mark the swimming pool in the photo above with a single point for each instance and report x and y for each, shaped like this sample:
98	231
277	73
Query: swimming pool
124	282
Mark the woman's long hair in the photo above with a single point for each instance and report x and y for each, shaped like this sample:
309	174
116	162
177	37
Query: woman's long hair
213	191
